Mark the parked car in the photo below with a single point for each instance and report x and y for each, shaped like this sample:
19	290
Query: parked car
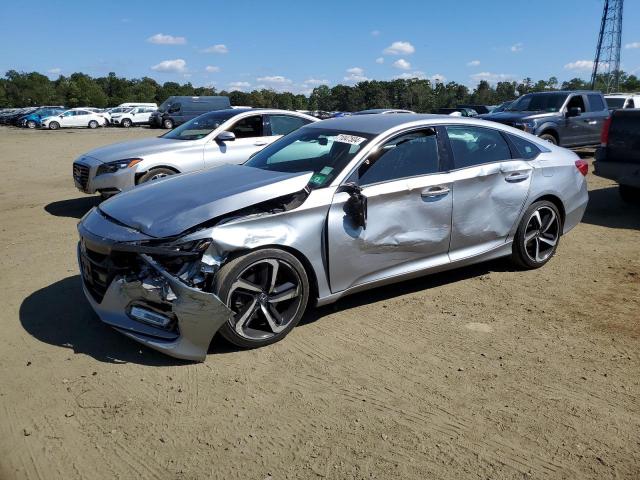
175	111
496	109
12	118
480	109
132	116
32	120
76	117
223	136
102	112
381	111
335	207
618	157
458	111
567	118
616	101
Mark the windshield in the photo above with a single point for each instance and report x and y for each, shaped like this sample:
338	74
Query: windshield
201	126
540	102
324	152
616	102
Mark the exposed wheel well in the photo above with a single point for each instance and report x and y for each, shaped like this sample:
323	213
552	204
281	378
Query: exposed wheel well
553	133
557	202
140	174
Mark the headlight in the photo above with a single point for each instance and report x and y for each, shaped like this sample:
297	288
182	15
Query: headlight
113	167
527	126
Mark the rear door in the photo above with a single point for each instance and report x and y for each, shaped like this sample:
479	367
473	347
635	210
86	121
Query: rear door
409	205
597	113
490	186
249	132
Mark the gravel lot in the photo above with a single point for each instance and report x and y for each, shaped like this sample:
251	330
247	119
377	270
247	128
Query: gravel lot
480	373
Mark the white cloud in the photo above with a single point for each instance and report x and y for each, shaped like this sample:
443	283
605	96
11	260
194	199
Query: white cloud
162	39
239	85
375	33
399	48
54	71
380	60
175	66
275	80
632	45
219	48
582	65
355	74
402	64
315	81
438	78
492	77
473	63
518	47
410	75
212	68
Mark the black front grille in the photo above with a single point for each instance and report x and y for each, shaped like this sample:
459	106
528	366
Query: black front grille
81	174
98	269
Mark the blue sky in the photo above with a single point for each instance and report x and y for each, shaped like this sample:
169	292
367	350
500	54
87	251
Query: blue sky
296	45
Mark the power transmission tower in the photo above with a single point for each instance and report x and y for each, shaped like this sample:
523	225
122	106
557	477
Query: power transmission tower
606	66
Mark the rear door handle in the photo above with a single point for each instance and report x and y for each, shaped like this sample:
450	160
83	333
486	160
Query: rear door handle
516	177
435	191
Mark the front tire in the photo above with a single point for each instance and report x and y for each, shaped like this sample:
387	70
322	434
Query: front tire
155	174
31	124
126	123
93	124
168	124
267	290
549	138
54	126
538	235
629	194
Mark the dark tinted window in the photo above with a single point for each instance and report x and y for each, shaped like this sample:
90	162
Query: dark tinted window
476	145
526	149
175	108
538	102
596	103
576	102
630	104
408	155
284	124
248	127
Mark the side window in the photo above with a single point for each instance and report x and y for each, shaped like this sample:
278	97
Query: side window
576	102
595	103
407	155
526	149
476	145
630	104
69	114
175	108
284	124
248	127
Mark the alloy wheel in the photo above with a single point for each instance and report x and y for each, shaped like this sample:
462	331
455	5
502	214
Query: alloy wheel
265	298
542	233
158	176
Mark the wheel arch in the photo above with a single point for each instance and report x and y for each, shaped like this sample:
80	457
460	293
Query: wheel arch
155	167
556	201
550	130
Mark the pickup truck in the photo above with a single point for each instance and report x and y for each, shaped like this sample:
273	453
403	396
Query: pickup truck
566	118
618	157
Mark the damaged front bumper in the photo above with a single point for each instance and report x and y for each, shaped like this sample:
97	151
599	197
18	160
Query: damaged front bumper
158	310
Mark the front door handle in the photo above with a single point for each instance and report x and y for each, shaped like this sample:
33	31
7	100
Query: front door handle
516	177
590	122
438	191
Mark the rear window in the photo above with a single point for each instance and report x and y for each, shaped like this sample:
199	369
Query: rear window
526	149
596	103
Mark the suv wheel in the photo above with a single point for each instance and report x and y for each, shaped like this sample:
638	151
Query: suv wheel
549	138
167	123
126	123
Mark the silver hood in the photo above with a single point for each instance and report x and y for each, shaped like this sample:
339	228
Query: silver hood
136	148
168	207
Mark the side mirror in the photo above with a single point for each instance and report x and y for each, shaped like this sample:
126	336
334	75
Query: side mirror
356	206
574	112
226	137
61	115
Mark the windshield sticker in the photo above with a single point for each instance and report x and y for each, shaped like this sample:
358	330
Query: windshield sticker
326	170
318	179
350	139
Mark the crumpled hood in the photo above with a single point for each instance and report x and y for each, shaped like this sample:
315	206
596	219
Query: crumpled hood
168	207
135	148
510	117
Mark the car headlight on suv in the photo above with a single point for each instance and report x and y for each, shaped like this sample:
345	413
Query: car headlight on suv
113	167
528	125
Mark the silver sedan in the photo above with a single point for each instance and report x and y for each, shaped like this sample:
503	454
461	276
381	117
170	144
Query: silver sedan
335	207
215	138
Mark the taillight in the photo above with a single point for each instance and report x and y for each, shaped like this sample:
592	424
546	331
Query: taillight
582	166
604	135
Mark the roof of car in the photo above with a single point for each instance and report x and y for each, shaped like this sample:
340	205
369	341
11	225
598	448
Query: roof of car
373	124
380	110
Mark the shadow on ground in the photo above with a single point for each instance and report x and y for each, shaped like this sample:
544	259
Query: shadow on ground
73	208
606	209
60	315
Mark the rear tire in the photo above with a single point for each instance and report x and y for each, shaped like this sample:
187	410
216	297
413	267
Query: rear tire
155	174
93	124
168	124
629	194
538	235
54	125
268	291
549	138
31	124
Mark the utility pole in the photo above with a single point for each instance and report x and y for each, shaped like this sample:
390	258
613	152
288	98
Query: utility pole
606	66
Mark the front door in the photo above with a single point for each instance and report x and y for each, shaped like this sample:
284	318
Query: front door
576	131
490	186
409	205
249	132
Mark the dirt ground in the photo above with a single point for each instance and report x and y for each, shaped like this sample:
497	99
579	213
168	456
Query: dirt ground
480	373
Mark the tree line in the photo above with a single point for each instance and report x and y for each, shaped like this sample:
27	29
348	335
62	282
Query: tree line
21	89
